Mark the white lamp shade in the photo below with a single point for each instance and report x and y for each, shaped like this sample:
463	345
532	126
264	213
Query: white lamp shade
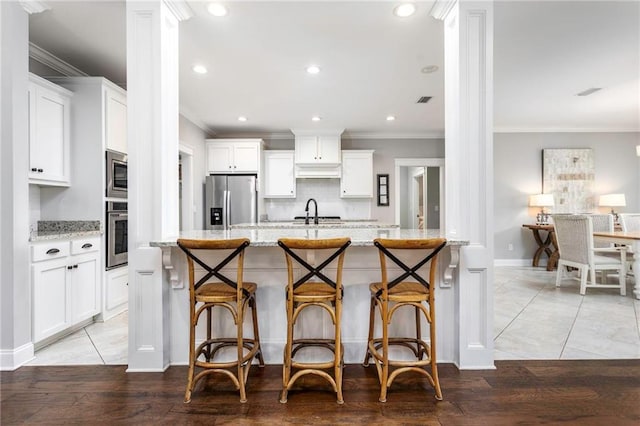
638	150
613	200
541	200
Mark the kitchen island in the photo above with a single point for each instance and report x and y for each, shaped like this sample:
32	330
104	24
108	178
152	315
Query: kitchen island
265	265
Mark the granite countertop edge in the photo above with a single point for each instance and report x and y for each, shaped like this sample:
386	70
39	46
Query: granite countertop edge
360	237
51	236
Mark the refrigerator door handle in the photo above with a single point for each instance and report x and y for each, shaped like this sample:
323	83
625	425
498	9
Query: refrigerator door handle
225	215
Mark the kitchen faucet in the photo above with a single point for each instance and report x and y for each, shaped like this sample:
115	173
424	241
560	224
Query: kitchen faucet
306	209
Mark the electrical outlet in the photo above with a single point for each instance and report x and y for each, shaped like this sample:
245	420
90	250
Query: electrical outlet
510	247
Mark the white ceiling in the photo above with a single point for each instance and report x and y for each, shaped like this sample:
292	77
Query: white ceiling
544	54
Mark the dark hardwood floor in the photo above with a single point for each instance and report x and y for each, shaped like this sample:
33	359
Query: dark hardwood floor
516	393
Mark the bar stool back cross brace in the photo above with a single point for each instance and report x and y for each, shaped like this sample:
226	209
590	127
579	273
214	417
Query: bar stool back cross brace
303	293
389	296
235	297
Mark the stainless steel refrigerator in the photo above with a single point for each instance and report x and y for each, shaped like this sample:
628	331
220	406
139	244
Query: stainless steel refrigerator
229	200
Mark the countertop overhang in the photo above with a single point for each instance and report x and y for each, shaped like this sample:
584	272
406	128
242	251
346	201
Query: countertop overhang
264	237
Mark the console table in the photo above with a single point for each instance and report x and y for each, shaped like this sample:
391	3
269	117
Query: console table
547	245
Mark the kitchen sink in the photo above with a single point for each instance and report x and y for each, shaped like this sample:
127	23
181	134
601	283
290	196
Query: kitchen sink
321	219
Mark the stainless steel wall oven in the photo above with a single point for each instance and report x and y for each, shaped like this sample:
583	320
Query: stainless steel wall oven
117	234
116	174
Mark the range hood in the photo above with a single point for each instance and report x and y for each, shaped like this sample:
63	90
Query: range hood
318	153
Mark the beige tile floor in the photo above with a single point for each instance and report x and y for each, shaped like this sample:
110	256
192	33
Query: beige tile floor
532	320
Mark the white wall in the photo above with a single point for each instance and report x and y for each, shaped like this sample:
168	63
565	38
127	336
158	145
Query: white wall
518	173
194	137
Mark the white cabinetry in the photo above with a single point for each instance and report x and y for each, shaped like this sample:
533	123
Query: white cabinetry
233	155
279	179
116	292
318	150
115	119
65	280
357	174
49	139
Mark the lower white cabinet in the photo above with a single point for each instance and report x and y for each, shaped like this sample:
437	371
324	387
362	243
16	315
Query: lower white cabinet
357	174
116	292
66	284
279	177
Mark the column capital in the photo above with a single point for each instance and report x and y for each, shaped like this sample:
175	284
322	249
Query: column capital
34	6
441	8
180	9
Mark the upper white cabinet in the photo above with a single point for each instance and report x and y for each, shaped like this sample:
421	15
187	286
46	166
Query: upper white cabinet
357	174
279	178
233	155
318	150
49	133
115	119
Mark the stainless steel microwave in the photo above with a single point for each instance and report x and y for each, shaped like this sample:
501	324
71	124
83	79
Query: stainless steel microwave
116	174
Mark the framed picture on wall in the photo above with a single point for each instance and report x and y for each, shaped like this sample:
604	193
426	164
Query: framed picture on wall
383	189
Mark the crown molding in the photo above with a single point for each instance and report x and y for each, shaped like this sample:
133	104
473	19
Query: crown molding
45	58
189	115
441	8
180	9
34	6
563	130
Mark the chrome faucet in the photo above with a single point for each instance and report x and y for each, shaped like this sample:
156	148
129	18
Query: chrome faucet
306	209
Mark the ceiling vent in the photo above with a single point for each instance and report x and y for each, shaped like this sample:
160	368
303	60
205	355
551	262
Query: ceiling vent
424	99
589	91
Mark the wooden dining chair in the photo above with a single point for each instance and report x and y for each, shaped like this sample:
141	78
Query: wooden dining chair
214	289
412	288
316	287
574	234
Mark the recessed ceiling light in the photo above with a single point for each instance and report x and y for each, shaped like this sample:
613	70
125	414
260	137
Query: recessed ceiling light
390	117
316	118
404	10
242	118
199	69
217	9
313	69
429	69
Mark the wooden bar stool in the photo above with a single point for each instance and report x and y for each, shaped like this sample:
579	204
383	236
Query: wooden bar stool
389	296
305	292
235	297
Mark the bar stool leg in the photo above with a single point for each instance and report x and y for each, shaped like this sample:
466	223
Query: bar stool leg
192	359
384	376
288	347
338	356
432	350
372	310
419	348
256	332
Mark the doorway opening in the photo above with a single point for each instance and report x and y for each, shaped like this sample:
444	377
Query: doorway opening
419	189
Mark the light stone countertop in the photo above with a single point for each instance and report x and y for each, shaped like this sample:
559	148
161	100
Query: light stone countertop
49	230
269	237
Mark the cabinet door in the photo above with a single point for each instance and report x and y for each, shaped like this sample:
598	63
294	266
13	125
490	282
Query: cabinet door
116	292
357	175
280	181
83	283
329	149
50	307
219	158
245	157
306	149
115	121
48	136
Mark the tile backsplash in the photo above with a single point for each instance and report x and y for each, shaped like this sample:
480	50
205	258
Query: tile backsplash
326	192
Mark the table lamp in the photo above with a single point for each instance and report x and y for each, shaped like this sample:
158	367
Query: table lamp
542	201
613	200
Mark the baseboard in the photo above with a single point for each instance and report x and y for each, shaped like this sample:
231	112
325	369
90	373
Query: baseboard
11	359
514	262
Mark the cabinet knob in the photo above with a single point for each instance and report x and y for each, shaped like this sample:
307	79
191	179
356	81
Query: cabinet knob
234	167
87	245
69	267
75	266
53	251
292	191
315	158
40	170
33	169
229	166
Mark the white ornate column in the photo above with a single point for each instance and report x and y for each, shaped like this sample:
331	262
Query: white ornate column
468	35
152	102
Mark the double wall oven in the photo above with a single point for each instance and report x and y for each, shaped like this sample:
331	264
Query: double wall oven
116	210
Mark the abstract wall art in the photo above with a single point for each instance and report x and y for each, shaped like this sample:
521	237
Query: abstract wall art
569	174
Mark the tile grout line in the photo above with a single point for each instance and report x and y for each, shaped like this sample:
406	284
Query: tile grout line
518	314
573	323
94	346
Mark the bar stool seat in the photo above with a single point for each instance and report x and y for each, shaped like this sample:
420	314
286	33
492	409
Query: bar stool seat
235	297
390	295
317	289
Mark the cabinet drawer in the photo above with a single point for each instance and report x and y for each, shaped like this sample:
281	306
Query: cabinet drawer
52	250
85	245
